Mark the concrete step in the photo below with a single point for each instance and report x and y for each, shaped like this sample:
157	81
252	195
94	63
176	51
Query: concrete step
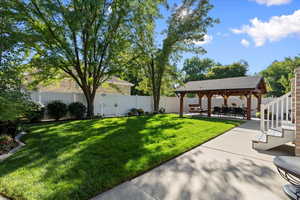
273	139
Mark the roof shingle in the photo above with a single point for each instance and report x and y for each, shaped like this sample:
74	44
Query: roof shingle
246	82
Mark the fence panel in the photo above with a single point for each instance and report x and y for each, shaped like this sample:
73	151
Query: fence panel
114	104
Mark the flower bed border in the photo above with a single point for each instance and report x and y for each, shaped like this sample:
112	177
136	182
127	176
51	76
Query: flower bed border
14	150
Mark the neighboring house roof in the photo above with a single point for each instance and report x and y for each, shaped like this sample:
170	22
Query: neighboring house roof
118	81
246	82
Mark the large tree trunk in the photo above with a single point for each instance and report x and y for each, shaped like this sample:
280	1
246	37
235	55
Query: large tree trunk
90	97
156	99
90	107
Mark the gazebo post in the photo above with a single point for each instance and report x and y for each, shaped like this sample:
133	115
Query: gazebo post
258	96
248	96
225	97
181	104
209	104
200	99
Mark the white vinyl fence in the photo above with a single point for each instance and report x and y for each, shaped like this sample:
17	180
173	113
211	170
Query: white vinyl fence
117	105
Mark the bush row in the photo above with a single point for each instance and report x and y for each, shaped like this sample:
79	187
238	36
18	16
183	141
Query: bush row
56	110
140	112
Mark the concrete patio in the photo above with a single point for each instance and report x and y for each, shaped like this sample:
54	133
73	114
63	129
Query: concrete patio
225	168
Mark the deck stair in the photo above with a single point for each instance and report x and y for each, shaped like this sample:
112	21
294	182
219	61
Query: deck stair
277	127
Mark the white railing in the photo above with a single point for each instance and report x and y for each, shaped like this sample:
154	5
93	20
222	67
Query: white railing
276	113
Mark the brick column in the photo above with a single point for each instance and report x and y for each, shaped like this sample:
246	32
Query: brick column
293	99
297	111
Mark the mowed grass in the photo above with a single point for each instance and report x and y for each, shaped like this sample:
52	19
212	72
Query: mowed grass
80	159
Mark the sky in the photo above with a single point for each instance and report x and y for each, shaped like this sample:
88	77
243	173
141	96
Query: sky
258	31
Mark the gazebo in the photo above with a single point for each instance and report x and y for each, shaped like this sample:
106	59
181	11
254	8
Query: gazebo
247	86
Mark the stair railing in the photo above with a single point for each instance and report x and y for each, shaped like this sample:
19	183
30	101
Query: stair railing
276	113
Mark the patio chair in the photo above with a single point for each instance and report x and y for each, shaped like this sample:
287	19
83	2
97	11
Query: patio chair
195	108
217	110
289	168
225	110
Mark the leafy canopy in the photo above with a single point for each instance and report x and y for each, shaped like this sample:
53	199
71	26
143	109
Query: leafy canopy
279	74
83	38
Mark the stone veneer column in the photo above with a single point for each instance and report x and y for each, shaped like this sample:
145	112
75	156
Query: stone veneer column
297	110
293	99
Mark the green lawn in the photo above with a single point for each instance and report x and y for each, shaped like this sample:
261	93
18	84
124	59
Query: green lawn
80	159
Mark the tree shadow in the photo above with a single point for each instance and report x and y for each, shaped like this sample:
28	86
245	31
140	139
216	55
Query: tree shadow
194	177
78	165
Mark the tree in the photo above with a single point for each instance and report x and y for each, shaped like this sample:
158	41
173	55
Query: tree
195	69
13	101
82	38
227	71
279	74
188	23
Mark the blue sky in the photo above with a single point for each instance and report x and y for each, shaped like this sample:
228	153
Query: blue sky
274	35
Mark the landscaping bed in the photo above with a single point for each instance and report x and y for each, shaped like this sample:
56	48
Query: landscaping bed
80	159
7	143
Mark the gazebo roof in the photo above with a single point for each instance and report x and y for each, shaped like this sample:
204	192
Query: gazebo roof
254	83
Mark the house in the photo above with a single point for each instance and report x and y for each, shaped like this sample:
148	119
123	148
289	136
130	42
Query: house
111	86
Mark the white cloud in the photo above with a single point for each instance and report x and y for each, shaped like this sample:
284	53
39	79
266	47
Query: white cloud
277	28
273	2
207	39
245	43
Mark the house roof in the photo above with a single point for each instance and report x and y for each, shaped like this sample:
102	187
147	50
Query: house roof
117	81
236	83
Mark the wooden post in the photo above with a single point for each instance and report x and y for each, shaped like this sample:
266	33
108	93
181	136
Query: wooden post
209	105
249	106
258	96
200	99
225	100
181	104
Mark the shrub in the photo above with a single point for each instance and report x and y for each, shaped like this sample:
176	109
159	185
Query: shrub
130	113
162	110
140	111
35	113
77	110
57	109
9	128
133	112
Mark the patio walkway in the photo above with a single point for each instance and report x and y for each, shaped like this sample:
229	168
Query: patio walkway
226	168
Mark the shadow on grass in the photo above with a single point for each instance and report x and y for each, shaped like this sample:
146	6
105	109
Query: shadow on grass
79	159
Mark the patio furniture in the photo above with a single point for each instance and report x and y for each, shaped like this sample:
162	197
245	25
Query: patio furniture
217	110
195	108
289	168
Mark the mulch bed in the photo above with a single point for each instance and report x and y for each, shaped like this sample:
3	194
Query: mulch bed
6	144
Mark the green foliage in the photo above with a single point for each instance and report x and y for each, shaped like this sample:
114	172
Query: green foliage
279	74
140	111
187	23
57	109
195	69
35	113
77	110
81	159
234	70
162	110
83	38
9	128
